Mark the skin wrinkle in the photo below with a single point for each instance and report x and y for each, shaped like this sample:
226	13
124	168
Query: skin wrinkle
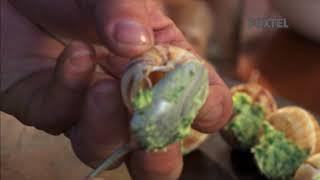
122	10
67	87
112	66
77	25
76	72
96	160
102	155
103	146
15	75
170	170
26	113
38	50
208	110
38	98
208	124
55	123
57	85
19	22
164	35
21	113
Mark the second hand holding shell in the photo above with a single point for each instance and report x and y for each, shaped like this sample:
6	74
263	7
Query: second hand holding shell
164	90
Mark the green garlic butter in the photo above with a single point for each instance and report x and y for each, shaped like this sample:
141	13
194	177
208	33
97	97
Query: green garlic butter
276	156
142	99
163	115
246	121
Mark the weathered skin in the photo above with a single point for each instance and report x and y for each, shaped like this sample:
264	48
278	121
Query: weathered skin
163	111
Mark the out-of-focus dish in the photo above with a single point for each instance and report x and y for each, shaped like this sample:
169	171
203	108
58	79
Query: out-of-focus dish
281	141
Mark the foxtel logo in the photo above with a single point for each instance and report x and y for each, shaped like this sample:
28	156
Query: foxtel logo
268	23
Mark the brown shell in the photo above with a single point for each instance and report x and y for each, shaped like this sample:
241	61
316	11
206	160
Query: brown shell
306	172
314	160
259	95
299	125
309	169
193	141
316	124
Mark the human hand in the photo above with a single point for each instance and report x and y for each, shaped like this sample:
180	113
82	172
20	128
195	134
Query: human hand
70	97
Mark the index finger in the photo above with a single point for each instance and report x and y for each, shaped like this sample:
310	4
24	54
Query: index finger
218	107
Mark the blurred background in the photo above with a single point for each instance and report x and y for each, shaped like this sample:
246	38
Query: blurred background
286	61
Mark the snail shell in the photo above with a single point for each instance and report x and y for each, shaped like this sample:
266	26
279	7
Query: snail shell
259	94
193	141
164	89
310	170
299	125
151	66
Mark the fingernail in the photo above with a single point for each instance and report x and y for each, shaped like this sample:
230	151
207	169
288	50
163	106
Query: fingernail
131	33
81	60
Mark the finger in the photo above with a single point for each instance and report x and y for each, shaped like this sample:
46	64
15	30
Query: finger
74	69
114	65
103	126
61	100
123	25
162	165
218	107
50	100
165	30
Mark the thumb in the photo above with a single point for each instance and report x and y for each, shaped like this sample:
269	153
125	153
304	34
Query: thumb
123	25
